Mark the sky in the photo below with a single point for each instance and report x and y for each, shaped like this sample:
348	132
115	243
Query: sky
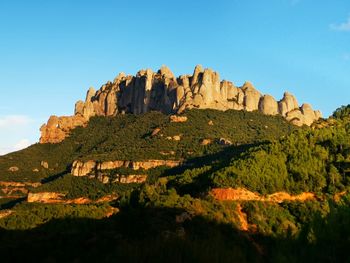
51	52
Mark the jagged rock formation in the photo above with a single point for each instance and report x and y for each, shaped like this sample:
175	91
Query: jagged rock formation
162	91
15	189
131	178
57	128
81	168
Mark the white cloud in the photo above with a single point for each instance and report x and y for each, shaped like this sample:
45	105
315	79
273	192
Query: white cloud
345	26
15	133
10	121
24	143
4	151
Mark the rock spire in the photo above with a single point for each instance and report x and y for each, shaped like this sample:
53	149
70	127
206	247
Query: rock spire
162	91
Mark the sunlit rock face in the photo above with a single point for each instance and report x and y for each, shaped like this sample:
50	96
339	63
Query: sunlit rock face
162	91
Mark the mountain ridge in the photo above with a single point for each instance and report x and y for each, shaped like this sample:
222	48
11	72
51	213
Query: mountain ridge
162	91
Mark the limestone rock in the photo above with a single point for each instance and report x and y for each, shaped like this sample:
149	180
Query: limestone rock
149	164
13	169
176	118
90	94
132	178
197	74
223	141
44	164
79	108
206	141
162	91
295	116
167	153
166	72
287	104
43	197
177	137
309	114
111	103
57	128
80	168
268	105
304	115
155	131
251	97
5	213
84	168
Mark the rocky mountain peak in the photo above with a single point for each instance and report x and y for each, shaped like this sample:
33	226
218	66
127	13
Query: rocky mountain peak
162	91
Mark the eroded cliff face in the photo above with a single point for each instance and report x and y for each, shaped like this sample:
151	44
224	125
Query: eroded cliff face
81	168
55	197
162	91
241	194
57	128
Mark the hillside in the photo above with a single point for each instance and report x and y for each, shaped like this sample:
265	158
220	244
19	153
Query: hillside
205	186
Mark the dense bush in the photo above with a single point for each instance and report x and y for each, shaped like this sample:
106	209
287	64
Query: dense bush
306	160
29	215
342	112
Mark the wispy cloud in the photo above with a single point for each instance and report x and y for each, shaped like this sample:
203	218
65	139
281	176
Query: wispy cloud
10	121
14	131
345	26
24	143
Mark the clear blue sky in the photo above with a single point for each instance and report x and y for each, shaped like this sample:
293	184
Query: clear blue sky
51	52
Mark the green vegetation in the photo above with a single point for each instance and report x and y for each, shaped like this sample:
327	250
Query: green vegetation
342	112
128	137
30	215
172	217
307	160
75	187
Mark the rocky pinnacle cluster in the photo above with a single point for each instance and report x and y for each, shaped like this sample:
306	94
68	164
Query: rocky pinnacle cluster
162	91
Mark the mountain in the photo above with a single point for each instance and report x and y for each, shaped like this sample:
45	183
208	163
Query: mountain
139	177
162	91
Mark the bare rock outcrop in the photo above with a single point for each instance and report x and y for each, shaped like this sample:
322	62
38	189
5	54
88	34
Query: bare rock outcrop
57	128
44	164
56	197
242	194
206	141
13	169
16	189
268	105
176	118
44	197
5	213
287	104
81	168
251	97
131	178
162	91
